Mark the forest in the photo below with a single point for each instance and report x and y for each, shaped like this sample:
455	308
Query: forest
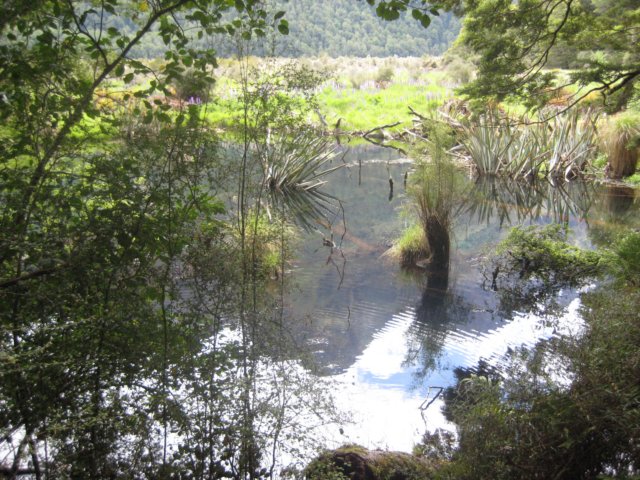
178	177
336	28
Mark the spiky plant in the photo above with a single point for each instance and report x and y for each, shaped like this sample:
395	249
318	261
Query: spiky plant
522	149
294	172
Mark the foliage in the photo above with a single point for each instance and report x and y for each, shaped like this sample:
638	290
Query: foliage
384	75
568	408
460	70
362	109
412	246
533	263
561	148
132	323
525	202
624	258
358	463
348	28
529	424
515	41
295	169
542	253
437	192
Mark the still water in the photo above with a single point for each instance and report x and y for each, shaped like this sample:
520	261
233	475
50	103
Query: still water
386	339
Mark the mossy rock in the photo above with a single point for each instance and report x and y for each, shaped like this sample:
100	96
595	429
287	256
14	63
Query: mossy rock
354	462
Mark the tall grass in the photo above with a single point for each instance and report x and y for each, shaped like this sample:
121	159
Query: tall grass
366	108
620	140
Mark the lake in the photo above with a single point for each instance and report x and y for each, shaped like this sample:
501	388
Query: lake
387	338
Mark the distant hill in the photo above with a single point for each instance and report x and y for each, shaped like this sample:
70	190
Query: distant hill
343	28
351	28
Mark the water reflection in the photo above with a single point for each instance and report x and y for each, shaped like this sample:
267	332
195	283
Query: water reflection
618	200
509	202
388	335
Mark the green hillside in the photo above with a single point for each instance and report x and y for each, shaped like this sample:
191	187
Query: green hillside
347	27
337	28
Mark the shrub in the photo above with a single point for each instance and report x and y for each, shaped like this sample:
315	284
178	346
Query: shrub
384	75
193	86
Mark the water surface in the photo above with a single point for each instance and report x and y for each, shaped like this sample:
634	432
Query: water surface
388	337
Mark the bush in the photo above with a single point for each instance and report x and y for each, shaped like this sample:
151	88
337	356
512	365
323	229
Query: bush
384	75
193	86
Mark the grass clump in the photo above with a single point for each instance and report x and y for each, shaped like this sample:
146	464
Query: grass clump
620	140
411	247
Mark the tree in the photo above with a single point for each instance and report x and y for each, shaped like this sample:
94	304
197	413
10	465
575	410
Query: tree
516	42
102	201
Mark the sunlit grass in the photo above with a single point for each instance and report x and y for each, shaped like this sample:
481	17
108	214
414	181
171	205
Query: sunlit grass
411	247
363	109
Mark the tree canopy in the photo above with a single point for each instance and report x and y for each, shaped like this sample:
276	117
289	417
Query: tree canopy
516	44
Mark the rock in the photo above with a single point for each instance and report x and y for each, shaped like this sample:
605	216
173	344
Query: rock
354	462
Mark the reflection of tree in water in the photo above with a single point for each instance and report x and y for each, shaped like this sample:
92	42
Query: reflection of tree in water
518	202
437	309
615	210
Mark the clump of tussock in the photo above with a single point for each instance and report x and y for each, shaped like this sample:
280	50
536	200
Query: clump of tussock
620	140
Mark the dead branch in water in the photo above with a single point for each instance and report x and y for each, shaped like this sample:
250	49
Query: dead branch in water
382	127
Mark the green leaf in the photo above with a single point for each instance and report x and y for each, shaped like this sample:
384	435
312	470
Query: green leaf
279	15
119	71
283	27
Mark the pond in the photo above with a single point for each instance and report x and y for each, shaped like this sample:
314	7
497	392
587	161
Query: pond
389	339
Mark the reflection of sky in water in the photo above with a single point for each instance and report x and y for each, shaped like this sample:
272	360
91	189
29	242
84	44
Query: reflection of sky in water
377	388
379	335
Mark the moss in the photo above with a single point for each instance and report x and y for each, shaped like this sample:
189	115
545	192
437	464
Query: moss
399	466
543	253
357	463
634	179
